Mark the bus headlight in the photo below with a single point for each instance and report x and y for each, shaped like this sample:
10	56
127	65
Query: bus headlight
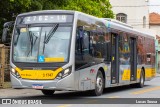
15	73
13	70
64	73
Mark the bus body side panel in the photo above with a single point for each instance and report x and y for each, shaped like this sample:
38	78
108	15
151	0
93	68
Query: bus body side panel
150	59
149	72
139	67
88	76
124	74
146	57
107	70
145	46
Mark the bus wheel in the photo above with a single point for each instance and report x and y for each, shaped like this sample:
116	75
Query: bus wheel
141	83
48	92
99	86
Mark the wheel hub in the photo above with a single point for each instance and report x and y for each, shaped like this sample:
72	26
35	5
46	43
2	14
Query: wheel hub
99	83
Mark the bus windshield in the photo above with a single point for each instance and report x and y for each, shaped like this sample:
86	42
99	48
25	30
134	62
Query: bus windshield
42	44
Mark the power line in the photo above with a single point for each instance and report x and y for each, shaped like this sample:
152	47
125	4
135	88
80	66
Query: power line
138	6
153	5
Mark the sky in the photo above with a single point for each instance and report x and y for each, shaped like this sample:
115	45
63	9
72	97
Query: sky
154	6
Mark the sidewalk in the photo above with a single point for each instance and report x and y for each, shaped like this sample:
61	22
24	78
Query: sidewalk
18	92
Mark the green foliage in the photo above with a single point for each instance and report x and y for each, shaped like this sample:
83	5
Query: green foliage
99	8
11	8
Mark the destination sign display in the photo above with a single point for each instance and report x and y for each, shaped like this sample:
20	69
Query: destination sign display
46	19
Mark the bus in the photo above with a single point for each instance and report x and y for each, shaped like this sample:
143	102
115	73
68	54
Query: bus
55	50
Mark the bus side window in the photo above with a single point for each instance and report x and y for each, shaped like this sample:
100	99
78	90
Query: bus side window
78	43
107	46
97	46
83	46
82	42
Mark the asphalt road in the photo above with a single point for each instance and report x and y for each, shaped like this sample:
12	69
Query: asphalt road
119	96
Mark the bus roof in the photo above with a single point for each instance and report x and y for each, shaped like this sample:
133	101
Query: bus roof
112	23
48	11
125	28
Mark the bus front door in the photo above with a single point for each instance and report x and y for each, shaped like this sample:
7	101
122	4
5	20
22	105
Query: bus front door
133	59
115	59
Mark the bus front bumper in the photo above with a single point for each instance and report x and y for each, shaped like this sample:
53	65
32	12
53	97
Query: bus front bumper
63	84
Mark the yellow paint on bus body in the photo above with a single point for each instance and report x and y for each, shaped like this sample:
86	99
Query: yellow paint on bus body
38	74
126	74
149	72
105	68
57	59
138	73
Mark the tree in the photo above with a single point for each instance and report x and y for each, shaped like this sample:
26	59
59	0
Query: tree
99	8
11	8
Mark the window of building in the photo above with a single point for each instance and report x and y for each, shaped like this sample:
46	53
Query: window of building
121	17
144	21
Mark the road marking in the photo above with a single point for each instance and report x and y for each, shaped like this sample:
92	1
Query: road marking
114	97
91	101
146	90
65	105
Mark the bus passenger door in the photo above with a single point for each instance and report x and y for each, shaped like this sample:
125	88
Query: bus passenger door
133	59
115	59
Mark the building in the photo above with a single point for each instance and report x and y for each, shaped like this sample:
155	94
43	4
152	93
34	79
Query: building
154	24
136	14
132	12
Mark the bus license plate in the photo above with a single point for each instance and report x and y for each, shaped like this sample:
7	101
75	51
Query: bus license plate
37	86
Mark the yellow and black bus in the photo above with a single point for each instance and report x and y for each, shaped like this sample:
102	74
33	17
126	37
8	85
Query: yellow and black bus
69	50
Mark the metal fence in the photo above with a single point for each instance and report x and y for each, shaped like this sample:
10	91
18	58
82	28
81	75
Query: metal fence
4	65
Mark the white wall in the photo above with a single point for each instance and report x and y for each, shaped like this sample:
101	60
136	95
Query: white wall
156	28
134	9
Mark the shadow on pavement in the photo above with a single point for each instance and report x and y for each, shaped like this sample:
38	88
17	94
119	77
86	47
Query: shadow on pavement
81	94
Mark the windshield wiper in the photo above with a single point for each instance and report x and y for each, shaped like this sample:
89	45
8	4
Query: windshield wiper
31	35
44	42
50	34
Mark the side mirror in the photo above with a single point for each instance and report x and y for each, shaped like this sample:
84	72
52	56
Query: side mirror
4	35
7	28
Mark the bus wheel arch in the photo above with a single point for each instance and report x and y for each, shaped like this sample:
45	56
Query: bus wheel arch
103	73
99	83
143	70
140	84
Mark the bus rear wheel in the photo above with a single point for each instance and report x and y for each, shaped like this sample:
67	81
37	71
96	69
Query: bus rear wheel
99	85
141	82
48	92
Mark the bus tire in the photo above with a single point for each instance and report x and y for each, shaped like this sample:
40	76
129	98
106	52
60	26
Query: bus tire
142	79
48	92
99	85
